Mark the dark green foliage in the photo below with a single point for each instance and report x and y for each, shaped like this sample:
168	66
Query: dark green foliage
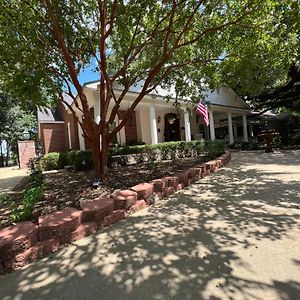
30	198
53	161
214	148
5	199
32	194
82	160
295	139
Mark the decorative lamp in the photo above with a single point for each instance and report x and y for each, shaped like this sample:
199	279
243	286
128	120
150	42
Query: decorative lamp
26	135
171	119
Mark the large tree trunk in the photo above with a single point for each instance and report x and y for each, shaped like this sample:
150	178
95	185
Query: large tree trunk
100	155
95	145
104	154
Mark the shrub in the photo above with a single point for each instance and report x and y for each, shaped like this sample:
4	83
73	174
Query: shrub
294	139
30	198
81	160
215	148
34	165
49	161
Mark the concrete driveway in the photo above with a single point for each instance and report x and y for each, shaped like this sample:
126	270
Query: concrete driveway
233	235
10	177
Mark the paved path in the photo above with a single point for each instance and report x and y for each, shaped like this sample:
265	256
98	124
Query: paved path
10	177
234	235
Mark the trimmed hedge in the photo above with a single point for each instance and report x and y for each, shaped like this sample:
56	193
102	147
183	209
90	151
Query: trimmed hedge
82	160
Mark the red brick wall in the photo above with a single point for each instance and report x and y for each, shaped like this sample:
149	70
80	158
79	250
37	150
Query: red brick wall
69	117
53	137
26	152
130	128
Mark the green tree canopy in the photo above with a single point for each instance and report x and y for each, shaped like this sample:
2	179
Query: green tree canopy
192	45
13	122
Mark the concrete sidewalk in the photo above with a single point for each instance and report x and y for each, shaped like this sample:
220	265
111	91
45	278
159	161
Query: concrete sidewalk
10	177
233	235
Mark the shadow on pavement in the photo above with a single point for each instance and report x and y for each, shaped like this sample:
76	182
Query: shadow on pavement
182	248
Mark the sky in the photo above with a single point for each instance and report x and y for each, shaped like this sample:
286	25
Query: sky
87	74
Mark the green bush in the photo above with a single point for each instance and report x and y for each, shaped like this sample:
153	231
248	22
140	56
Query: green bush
294	139
51	161
83	160
80	160
30	198
214	148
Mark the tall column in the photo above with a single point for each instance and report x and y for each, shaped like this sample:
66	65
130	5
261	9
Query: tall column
69	136
251	130
97	109
230	130
81	138
245	133
97	117
153	125
212	125
187	126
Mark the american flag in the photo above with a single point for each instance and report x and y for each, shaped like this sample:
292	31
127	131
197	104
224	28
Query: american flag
202	109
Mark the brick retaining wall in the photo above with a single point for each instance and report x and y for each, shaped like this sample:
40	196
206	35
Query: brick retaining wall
27	242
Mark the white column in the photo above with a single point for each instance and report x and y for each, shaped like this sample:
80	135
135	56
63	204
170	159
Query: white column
251	130
212	125
187	126
245	133
97	117
69	135
153	125
97	110
230	130
81	138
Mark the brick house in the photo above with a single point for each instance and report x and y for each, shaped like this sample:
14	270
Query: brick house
58	129
154	120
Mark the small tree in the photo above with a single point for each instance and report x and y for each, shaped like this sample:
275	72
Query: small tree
13	121
48	44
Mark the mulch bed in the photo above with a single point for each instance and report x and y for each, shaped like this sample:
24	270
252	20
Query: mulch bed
67	188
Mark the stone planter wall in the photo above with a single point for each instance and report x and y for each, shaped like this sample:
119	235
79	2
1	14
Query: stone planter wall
26	242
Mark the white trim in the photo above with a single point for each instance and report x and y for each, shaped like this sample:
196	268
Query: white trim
81	138
245	132
69	135
230	129
51	122
187	126
153	125
212	125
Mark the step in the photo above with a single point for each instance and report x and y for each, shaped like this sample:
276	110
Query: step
143	190
39	250
95	210
17	238
82	231
114	217
124	199
59	223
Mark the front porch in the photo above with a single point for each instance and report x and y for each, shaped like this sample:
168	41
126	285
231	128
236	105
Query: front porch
156	120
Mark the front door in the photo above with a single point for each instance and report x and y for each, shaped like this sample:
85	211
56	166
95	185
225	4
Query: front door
172	127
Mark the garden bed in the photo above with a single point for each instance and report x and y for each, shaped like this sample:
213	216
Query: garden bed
67	188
